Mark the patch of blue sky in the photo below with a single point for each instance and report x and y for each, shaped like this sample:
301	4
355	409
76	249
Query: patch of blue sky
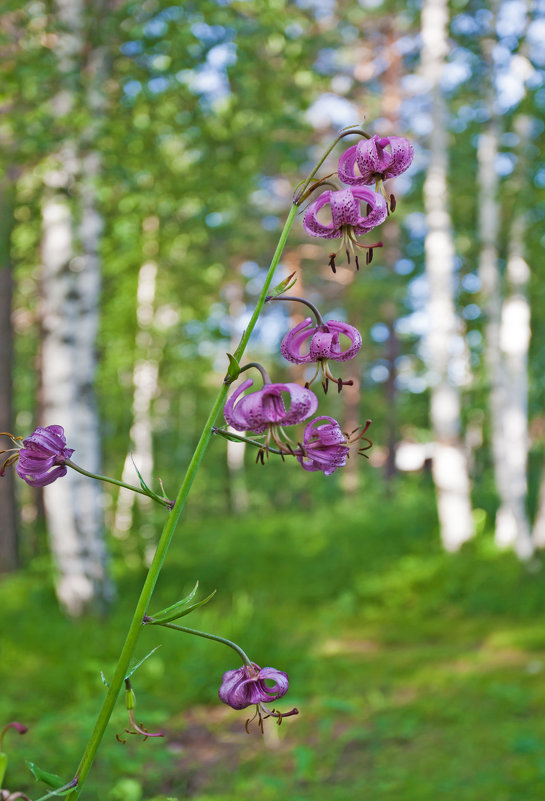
330	110
535	37
512	18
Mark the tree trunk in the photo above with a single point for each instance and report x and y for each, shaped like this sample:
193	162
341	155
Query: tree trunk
8	529
449	468
70	294
507	335
145	380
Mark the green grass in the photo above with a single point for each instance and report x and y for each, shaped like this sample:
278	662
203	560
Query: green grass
418	674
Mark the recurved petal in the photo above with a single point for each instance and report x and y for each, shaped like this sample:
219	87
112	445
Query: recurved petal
280	679
234	690
377	212
294	339
346	169
345	209
50	438
303	403
233	411
313	225
353	335
402	156
41	479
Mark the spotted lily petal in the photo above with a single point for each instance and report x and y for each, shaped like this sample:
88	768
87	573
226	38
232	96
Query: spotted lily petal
345	212
325	445
258	410
324	342
374	161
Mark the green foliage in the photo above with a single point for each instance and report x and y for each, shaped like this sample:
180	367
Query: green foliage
417	673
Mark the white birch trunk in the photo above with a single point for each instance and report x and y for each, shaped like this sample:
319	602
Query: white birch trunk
450	471
507	335
145	383
514	344
69	313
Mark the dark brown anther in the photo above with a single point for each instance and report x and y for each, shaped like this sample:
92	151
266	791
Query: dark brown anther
369	209
120	740
347	256
393	202
325	385
307	385
332	262
339	385
357	263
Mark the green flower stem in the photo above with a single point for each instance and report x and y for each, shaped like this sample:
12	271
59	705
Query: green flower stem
245	658
167	534
231	436
300	193
159	498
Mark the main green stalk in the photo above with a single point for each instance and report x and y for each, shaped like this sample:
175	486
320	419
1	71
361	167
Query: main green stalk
135	627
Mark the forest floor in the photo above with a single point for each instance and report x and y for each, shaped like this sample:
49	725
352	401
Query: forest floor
418	674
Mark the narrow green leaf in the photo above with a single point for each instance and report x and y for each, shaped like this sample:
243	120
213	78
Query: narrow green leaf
142	482
51	779
283	286
182	610
183	602
234	367
135	668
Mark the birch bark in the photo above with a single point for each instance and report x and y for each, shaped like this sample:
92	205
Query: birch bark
70	291
507	336
449	468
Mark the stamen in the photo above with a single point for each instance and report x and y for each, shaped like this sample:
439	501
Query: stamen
393	203
332	262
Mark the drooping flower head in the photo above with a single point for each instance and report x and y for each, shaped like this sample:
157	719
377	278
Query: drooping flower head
326	447
324	344
43	456
376	160
347	221
247	685
266	410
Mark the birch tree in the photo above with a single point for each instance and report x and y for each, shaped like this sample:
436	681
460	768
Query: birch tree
449	468
70	291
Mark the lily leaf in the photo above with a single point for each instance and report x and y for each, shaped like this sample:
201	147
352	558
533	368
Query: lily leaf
142	482
234	367
135	667
51	779
283	286
180	609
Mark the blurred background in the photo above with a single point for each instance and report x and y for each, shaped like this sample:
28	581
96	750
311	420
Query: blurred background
149	155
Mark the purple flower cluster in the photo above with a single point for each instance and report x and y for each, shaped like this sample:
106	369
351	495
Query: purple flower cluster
345	213
370	161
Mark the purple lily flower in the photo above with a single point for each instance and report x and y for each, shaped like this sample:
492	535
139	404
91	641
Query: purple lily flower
324	345
43	455
374	161
265	408
326	447
347	221
245	686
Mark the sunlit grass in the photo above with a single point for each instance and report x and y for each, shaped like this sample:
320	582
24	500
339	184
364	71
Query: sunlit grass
418	674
